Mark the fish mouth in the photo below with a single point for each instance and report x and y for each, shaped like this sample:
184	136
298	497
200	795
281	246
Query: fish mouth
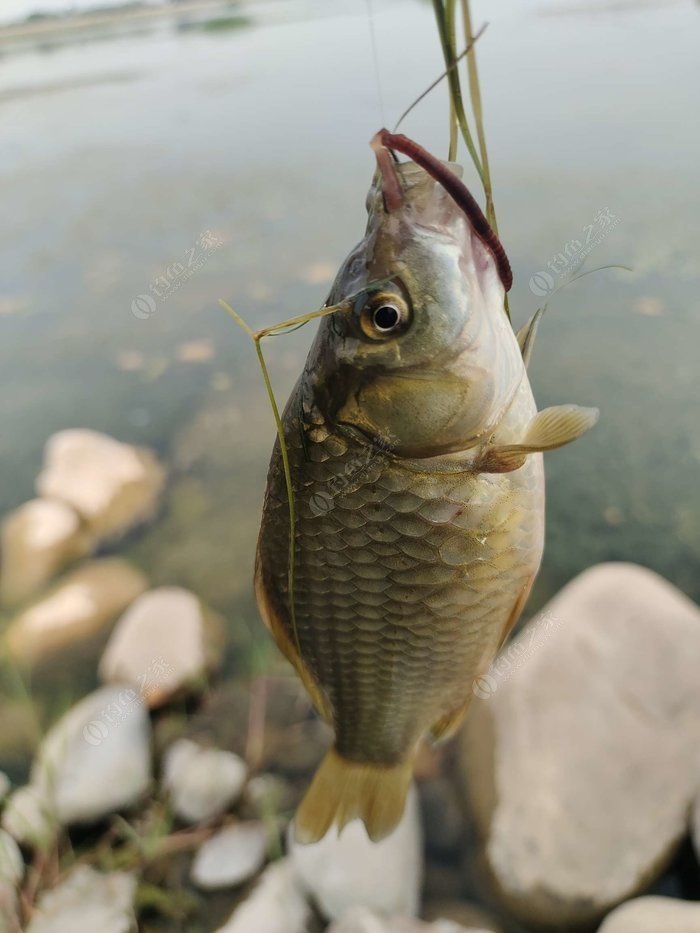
386	165
385	143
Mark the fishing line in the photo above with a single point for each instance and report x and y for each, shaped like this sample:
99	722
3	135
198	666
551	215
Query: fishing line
375	57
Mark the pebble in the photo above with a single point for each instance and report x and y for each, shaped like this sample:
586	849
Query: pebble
112	485
230	857
27	818
276	905
202	783
96	759
363	920
11	861
37	540
81	606
161	644
340	872
87	901
580	758
654	915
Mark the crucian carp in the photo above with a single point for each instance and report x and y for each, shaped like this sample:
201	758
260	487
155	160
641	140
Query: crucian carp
414	450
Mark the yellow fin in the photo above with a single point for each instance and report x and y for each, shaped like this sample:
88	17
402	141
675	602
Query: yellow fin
344	790
285	643
549	429
447	725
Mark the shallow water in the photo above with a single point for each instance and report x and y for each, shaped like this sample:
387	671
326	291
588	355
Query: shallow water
118	156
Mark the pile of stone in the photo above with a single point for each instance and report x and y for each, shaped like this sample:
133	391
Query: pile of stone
562	805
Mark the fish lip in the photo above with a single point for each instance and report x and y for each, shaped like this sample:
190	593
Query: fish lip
386	166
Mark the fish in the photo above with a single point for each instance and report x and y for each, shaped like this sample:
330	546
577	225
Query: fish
414	449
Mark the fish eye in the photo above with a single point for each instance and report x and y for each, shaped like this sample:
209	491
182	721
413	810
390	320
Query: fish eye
384	316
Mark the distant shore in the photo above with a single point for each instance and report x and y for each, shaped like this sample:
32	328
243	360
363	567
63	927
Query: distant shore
55	27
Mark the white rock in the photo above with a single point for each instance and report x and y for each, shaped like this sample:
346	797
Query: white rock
232	856
5	786
87	902
97	758
11	861
159	645
582	762
362	920
276	905
37	540
81	606
112	485
201	782
27	817
654	915
349	870
9	909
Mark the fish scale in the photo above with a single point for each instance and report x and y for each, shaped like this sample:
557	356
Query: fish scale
432	608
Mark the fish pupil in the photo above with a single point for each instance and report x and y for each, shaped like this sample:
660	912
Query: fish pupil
386	317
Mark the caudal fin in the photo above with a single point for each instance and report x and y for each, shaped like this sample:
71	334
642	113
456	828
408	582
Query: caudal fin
344	790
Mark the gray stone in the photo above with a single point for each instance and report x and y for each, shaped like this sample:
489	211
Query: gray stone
230	857
654	915
276	905
202	783
9	909
27	818
97	758
580	758
349	870
11	861
114	486
163	643
37	540
87	901
81	606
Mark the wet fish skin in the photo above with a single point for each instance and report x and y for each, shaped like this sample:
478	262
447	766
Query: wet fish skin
412	563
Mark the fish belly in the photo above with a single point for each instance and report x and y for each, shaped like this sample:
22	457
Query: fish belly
405	581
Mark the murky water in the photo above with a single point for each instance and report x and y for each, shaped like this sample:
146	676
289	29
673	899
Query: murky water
234	163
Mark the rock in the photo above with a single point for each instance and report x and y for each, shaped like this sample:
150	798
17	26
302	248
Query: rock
202	782
654	915
11	861
163	643
580	761
267	797
362	920
114	486
461	913
230	857
4	786
349	870
37	540
27	818
276	905
87	901
97	758
9	909
81	606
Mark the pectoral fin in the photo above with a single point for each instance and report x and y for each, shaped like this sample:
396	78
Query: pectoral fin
526	336
549	429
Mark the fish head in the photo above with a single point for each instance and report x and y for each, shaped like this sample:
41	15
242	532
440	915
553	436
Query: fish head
422	356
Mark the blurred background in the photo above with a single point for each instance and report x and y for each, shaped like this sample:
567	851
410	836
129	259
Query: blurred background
157	157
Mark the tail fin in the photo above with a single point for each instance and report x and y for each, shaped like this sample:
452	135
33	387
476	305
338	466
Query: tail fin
343	790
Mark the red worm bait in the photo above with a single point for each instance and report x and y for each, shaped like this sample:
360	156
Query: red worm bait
454	186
